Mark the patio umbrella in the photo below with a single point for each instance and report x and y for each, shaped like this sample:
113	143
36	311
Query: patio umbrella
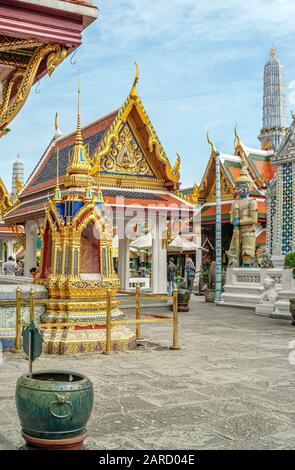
142	243
182	244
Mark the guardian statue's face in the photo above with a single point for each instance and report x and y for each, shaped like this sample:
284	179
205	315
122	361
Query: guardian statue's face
242	190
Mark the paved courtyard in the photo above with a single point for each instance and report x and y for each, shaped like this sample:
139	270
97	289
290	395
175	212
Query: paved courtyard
230	387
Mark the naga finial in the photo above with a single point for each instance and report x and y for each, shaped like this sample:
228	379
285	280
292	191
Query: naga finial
237	138
195	194
58	132
133	92
211	143
176	166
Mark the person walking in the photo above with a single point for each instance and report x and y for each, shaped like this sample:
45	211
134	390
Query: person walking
142	269
190	272
9	267
171	272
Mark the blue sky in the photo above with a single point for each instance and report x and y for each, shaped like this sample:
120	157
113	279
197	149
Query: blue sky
201	67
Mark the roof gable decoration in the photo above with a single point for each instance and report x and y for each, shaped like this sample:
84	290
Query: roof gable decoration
126	157
258	162
286	150
207	185
240	150
111	138
5	200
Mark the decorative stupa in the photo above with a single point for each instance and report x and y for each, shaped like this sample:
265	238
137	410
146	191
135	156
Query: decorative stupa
77	262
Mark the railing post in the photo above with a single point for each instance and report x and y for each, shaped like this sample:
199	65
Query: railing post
18	320
138	335
32	304
108	347
175	344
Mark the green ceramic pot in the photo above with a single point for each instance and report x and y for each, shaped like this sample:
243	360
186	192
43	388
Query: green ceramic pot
54	404
183	300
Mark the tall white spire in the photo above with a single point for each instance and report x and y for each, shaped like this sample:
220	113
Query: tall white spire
274	122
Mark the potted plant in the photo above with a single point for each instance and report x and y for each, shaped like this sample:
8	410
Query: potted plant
290	262
184	295
53	405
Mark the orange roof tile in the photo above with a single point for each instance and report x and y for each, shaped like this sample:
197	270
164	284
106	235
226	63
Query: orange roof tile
261	239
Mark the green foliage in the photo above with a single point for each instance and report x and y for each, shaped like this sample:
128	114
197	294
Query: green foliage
179	281
290	262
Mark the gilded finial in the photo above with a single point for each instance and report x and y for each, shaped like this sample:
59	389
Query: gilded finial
133	92
195	194
211	143
273	51
18	184
237	138
57	195
79	139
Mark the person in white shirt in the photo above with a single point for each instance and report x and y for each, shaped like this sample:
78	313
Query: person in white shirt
9	267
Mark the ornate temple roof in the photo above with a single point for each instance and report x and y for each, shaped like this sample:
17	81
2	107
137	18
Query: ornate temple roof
35	37
259	169
126	157
208	212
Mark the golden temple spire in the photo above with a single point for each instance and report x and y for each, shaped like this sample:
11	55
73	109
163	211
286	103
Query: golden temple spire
211	143
57	194
133	92
79	138
79	165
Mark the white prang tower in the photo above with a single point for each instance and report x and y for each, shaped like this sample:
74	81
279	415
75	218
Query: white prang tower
274	122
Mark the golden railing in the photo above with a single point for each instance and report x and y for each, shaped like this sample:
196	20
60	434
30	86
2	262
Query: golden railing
138	321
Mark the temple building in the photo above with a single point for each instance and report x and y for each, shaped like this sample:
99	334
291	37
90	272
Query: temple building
260	165
136	178
11	236
35	37
281	199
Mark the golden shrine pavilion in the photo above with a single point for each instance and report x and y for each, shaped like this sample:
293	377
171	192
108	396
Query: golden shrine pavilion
35	37
133	171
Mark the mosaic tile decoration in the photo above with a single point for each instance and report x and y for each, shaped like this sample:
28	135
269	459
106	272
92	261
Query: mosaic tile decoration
273	205
287	212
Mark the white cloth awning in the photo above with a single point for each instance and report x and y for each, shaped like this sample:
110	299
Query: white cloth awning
182	244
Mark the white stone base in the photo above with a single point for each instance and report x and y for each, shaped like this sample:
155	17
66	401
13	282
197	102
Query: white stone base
243	287
265	310
282	305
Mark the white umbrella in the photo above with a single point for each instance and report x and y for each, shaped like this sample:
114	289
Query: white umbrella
142	243
182	244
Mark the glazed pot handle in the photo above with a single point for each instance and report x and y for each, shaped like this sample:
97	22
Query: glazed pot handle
61	400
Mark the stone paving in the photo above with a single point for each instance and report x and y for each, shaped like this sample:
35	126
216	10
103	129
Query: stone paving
230	387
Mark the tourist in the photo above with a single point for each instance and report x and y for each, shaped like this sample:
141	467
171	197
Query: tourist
19	268
142	270
171	272
190	272
9	267
35	274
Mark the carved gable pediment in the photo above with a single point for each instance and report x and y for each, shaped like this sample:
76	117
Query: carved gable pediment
286	150
126	156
